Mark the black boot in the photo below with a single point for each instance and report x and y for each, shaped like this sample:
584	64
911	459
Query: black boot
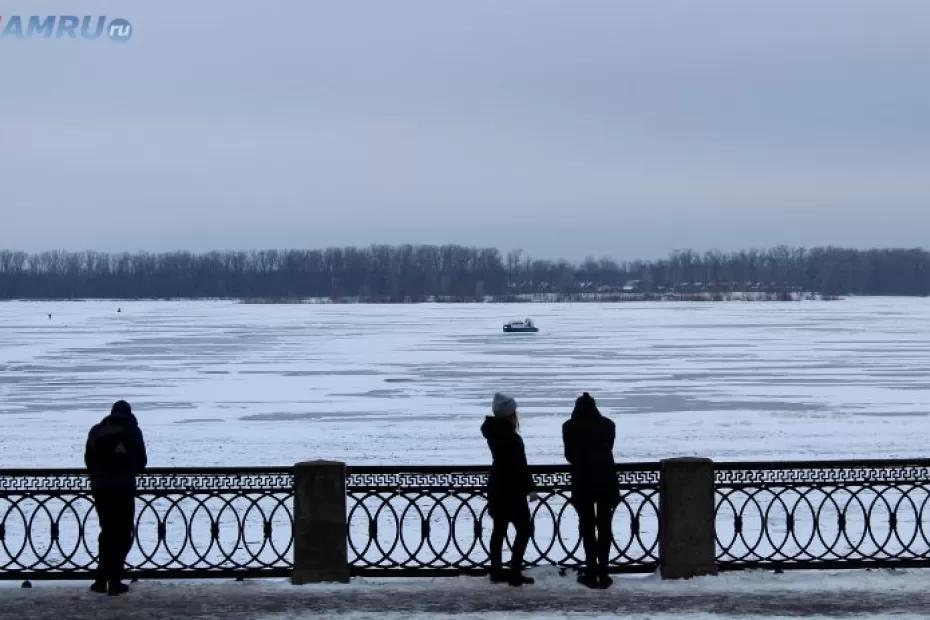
99	586
116	588
587	578
499	575
519	579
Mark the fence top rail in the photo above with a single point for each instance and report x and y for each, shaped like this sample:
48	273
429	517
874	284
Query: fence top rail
445	469
155	471
440	469
820	464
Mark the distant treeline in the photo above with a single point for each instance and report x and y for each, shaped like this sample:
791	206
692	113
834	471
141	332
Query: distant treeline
415	273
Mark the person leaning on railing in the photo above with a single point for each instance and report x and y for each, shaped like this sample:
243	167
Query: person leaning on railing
509	484
589	442
115	453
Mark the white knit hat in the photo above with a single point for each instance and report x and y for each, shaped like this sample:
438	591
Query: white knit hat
503	406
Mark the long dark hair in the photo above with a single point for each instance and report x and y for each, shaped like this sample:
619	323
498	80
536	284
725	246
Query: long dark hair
515	421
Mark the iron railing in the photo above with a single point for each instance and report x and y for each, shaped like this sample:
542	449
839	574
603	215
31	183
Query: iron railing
822	514
419	520
433	520
189	522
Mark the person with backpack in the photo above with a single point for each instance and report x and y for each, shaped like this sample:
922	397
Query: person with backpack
589	441
509	484
115	453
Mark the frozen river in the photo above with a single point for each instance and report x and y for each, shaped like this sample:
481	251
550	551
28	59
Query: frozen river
222	383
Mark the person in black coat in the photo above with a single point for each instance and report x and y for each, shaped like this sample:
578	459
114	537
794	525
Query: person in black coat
509	484
589	441
114	454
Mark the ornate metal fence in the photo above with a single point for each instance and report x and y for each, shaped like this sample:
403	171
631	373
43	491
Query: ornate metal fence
822	514
189	522
433	520
420	520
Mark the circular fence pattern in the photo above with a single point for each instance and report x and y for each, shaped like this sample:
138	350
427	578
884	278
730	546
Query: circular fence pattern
413	520
197	522
828	514
416	519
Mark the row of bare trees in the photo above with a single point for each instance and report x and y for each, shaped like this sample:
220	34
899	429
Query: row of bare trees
409	272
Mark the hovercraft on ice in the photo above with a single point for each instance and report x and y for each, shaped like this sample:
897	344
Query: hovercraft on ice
524	326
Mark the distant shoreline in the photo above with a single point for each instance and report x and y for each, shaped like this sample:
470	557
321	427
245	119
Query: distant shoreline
528	298
555	298
452	273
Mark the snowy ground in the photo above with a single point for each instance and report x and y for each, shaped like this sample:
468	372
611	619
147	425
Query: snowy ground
759	594
221	383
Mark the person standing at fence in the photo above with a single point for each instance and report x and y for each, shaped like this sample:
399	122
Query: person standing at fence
589	441
115	453
509	485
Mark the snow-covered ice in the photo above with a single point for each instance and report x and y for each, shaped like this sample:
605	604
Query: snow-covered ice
223	383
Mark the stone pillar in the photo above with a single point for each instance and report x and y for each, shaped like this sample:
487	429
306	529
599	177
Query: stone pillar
320	522
687	546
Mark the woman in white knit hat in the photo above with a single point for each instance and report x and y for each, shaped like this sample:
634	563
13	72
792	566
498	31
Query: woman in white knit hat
509	483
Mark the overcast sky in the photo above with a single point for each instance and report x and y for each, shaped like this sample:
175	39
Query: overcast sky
618	127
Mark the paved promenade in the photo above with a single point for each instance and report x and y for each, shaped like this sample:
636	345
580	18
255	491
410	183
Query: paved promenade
757	594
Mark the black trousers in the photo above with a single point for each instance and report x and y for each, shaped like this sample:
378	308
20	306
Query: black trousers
595	515
116	512
516	512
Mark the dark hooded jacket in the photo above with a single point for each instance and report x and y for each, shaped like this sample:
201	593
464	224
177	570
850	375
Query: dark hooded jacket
589	441
115	453
510	480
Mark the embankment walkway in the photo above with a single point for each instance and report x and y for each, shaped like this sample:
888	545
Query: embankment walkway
763	594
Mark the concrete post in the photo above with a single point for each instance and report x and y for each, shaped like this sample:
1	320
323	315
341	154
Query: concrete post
687	546
320	522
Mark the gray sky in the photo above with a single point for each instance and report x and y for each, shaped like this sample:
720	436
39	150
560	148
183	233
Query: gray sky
619	127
